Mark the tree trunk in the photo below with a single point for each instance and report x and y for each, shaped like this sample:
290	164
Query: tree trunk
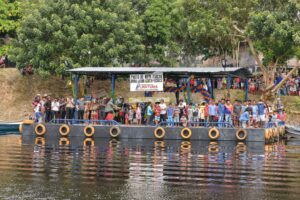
268	84
238	55
279	85
271	89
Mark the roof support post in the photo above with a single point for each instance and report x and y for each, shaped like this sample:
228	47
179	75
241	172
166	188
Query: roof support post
246	89
188	89
228	85
113	80
75	92
212	96
177	92
76	78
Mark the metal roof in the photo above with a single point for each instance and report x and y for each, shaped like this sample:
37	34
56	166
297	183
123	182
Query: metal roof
179	71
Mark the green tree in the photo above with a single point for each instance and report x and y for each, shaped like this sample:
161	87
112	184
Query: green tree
158	31
9	20
269	28
274	32
200	30
58	31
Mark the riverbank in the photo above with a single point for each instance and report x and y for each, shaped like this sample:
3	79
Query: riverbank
18	92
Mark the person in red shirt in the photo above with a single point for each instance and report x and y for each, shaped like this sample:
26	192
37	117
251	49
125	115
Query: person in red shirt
206	112
281	117
157	113
109	116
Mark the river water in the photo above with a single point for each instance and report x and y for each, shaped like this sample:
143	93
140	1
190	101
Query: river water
146	169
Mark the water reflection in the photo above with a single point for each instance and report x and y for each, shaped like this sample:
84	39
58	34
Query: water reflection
147	169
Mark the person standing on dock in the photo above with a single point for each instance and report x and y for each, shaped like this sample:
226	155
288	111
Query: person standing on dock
109	110
37	112
80	108
228	112
190	114
55	110
62	109
221	113
254	113
138	114
48	109
181	107
163	110
94	109
261	115
244	119
237	108
202	113
69	108
149	113
212	113
170	112
157	113
176	115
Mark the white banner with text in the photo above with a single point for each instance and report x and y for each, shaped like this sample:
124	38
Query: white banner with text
146	82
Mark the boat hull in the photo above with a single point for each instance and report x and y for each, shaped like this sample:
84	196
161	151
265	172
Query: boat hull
293	132
9	127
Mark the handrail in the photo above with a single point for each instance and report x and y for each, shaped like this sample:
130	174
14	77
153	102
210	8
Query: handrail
273	124
204	124
82	121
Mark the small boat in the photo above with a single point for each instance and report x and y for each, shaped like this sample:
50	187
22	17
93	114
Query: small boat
9	127
293	132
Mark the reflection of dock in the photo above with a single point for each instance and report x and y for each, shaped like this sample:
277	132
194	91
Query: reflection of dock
170	161
197	147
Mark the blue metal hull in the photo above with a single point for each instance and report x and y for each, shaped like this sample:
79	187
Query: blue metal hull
144	132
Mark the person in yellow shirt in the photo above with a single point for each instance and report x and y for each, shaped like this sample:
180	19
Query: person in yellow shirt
202	113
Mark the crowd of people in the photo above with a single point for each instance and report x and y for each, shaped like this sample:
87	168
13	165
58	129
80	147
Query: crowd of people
290	88
256	84
222	113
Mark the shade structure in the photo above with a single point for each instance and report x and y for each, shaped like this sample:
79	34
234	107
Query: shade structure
168	71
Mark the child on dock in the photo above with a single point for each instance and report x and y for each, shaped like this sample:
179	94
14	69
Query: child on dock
130	115
138	114
170	113
195	115
176	115
156	113
149	113
244	119
184	120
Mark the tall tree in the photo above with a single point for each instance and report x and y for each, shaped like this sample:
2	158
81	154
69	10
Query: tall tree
270	28
157	33
9	20
200	30
80	32
273	31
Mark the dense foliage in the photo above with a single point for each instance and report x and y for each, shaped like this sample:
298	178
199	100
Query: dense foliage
9	20
151	32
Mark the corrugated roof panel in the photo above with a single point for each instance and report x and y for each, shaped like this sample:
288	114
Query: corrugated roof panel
178	70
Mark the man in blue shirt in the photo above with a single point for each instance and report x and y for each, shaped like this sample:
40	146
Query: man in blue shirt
261	113
212	112
170	112
149	113
244	119
221	110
